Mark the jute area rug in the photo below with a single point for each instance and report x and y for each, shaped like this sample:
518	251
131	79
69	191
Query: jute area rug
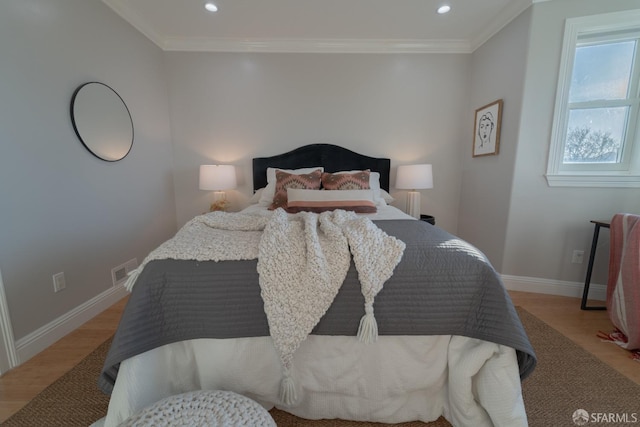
566	379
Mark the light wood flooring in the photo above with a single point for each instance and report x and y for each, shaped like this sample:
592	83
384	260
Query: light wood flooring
21	384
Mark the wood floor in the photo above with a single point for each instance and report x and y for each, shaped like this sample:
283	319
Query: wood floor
21	384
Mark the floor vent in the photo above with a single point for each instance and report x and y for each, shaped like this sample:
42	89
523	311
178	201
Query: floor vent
119	273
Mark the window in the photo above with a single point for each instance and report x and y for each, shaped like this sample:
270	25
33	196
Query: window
595	137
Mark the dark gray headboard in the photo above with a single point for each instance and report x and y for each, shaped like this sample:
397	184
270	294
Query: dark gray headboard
332	157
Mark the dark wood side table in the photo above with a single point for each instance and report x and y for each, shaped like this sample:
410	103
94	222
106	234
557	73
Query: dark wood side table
587	281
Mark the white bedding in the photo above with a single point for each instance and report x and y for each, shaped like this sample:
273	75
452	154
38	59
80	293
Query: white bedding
397	379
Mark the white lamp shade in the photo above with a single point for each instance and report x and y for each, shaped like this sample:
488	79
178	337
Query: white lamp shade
414	177
217	177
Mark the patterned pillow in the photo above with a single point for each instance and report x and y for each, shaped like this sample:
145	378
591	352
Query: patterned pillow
359	201
266	198
346	181
284	180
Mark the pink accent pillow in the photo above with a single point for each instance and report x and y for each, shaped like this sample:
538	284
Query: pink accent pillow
285	180
346	181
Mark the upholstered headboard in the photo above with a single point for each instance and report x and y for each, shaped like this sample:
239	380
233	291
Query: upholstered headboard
332	157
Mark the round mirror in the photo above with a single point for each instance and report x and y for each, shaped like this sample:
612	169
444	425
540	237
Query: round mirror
102	121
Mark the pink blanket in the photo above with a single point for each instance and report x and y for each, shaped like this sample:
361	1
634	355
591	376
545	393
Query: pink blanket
623	287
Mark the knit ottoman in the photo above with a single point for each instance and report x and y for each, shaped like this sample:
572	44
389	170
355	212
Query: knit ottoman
202	408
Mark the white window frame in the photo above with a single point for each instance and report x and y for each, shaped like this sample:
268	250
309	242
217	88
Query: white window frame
626	174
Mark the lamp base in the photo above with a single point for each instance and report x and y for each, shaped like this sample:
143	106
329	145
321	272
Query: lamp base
219	201
413	204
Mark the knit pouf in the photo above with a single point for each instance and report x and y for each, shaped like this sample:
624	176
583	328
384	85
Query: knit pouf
202	408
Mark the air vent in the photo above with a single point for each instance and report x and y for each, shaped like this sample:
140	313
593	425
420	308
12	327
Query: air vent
119	273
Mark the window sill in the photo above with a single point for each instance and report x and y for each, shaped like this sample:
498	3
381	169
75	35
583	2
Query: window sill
593	180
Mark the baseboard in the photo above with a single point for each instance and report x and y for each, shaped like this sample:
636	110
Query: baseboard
40	339
553	287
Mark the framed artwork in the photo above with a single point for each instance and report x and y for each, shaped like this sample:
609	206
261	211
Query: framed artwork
486	130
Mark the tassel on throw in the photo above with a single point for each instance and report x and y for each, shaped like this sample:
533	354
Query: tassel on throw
288	394
616	336
132	277
368	330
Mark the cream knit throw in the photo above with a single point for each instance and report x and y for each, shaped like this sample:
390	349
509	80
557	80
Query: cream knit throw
303	260
216	236
302	265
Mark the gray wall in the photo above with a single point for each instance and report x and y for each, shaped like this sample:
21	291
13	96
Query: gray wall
63	209
230	107
498	72
546	224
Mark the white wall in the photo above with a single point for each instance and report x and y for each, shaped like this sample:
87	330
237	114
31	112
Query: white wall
497	72
546	224
62	209
526	228
231	107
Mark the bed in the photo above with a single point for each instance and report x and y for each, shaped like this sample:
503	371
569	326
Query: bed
447	340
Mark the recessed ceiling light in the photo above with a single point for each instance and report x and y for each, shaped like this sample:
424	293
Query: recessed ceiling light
444	9
210	7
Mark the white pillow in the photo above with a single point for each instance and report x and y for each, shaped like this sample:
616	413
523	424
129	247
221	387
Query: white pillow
270	190
359	201
374	184
256	196
388	198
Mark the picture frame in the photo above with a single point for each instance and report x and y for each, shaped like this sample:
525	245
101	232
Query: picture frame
486	129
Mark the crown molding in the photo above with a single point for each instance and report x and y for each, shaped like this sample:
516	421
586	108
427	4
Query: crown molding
506	15
315	45
204	44
125	12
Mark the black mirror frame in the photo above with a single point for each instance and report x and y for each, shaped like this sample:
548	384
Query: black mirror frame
75	127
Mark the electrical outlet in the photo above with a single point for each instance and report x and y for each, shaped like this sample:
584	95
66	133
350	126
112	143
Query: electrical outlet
59	282
578	257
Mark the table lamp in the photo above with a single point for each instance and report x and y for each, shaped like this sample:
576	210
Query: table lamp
218	178
414	177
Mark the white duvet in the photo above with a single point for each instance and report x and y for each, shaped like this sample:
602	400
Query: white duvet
397	379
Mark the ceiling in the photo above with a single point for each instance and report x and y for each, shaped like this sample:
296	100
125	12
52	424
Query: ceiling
319	25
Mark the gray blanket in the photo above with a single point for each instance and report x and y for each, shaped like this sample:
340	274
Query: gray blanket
442	286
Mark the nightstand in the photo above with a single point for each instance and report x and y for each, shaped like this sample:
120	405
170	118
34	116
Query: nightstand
428	218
